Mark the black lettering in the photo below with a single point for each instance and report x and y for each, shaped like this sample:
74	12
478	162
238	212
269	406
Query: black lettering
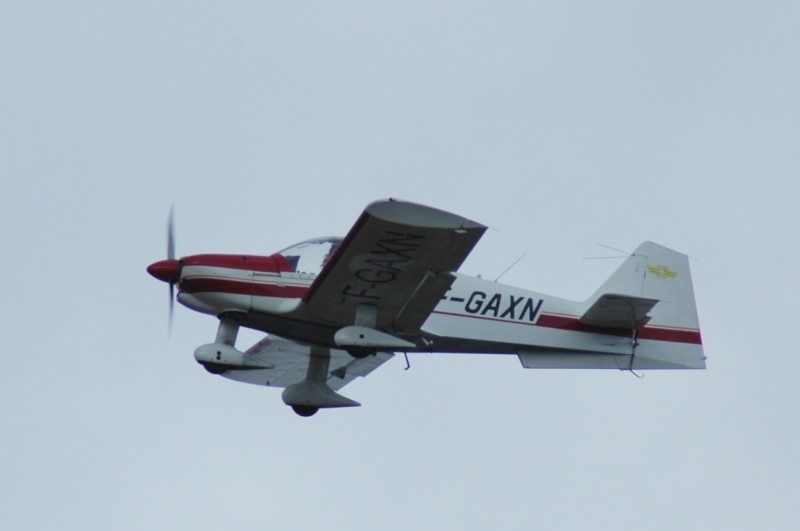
531	311
388	265
511	306
398	246
375	277
361	294
493	305
473	305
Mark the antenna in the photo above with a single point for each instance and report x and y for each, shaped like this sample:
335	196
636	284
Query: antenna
607	257
509	267
614	249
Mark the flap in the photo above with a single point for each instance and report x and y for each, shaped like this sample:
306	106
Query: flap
618	311
397	258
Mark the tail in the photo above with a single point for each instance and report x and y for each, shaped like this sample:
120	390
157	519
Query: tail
651	293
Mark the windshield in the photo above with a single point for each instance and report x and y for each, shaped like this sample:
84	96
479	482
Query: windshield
309	256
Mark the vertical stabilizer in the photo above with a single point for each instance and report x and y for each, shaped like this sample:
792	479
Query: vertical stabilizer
670	336
656	272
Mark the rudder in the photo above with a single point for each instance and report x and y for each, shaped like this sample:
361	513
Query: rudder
671	337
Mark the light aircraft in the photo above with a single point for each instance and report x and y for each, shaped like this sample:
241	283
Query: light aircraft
338	308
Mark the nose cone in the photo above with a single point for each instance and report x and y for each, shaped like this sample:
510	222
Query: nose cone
166	270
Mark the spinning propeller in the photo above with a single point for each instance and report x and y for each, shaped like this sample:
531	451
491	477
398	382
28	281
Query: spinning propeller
168	270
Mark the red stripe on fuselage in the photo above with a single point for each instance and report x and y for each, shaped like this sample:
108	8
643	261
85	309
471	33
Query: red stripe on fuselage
198	284
243	262
572	324
655	332
673	335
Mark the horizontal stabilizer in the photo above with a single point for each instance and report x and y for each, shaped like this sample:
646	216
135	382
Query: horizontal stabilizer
655	355
618	311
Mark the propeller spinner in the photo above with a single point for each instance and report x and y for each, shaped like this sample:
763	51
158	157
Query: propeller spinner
168	270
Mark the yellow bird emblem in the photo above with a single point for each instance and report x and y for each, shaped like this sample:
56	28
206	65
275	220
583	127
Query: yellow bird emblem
662	271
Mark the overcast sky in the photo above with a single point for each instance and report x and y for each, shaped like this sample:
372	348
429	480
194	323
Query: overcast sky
559	125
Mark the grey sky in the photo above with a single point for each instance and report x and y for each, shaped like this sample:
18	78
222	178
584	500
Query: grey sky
559	125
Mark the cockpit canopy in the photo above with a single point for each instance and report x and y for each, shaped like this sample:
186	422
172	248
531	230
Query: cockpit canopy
308	257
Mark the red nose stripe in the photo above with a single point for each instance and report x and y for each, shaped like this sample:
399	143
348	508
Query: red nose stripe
166	270
264	264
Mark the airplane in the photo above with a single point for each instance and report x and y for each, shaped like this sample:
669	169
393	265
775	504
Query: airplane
337	308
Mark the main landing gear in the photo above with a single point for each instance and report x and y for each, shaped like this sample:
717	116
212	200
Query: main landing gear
305	411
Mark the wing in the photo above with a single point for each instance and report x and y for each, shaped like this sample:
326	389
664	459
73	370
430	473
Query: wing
397	259
277	362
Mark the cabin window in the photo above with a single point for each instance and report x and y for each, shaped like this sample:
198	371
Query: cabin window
309	257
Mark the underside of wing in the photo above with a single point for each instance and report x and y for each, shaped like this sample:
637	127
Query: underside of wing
277	362
397	261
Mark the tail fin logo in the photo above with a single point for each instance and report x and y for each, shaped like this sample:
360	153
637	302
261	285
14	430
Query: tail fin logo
662	271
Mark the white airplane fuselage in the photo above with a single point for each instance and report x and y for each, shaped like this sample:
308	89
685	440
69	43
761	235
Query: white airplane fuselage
474	316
